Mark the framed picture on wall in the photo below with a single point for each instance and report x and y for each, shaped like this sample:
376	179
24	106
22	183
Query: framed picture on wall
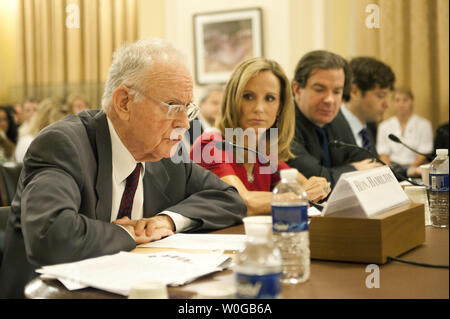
224	39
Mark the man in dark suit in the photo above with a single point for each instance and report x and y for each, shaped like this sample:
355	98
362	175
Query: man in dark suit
101	181
372	85
321	78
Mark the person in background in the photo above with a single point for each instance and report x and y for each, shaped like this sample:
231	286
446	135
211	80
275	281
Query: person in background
50	110
8	134
441	140
413	130
258	100
7	123
18	114
321	78
30	106
372	85
101	181
77	103
209	110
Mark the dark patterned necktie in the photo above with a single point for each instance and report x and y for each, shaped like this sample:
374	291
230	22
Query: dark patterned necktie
126	204
366	139
322	134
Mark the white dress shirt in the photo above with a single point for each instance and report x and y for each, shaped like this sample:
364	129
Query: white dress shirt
418	135
123	163
23	144
355	124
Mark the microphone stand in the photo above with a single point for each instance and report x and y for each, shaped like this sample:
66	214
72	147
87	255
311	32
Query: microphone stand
395	139
221	145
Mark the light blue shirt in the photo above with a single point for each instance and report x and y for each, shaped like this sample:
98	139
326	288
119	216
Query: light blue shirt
355	124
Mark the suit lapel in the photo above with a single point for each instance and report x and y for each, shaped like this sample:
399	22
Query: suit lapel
103	185
311	141
155	182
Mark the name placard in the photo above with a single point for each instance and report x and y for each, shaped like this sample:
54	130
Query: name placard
365	193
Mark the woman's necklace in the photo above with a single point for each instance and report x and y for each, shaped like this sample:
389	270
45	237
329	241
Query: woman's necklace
250	177
249	171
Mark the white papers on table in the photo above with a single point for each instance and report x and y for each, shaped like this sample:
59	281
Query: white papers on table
201	241
118	273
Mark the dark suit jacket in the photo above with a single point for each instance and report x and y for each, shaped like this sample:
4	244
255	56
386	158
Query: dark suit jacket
306	147
441	140
195	133
62	208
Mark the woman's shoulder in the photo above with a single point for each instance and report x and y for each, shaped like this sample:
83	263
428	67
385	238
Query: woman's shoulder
420	119
387	122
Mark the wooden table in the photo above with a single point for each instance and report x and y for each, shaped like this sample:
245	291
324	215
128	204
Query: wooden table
328	279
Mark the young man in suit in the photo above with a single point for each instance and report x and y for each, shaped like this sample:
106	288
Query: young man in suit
372	85
321	78
101	181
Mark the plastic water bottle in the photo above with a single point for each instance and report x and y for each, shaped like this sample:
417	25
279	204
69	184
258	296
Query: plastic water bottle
439	189
258	266
290	227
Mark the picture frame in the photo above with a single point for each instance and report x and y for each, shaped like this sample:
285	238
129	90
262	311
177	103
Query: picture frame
223	39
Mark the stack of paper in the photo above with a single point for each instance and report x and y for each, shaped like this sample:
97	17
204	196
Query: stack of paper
118	273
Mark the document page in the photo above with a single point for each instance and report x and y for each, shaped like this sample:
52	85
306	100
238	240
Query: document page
201	241
117	273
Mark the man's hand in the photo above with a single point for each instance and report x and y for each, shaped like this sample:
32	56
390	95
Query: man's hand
148	229
367	163
317	188
414	172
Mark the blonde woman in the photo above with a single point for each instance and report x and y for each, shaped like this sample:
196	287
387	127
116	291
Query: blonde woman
257	99
413	130
50	110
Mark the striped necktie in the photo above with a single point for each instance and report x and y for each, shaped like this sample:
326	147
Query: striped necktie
366	139
126	204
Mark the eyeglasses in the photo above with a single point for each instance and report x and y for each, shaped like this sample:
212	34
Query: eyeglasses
175	111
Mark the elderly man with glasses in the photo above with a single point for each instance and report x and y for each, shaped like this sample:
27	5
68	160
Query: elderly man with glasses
102	181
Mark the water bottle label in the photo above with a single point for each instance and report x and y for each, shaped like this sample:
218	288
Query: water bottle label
258	286
439	183
289	218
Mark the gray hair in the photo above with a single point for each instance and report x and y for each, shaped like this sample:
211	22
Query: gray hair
132	63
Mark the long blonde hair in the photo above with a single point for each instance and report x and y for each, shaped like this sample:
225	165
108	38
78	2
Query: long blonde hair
231	103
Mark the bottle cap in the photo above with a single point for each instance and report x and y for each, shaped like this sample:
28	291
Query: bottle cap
289	174
148	290
258	226
442	152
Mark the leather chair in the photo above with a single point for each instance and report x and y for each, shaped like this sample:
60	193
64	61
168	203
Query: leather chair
9	176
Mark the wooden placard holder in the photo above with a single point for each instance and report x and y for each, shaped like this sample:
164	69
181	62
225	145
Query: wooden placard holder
368	240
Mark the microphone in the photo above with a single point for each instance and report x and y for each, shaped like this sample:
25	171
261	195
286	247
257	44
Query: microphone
337	143
395	139
228	146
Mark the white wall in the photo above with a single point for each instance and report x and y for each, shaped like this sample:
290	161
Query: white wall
280	19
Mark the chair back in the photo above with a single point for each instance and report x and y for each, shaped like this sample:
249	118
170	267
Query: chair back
9	176
4	212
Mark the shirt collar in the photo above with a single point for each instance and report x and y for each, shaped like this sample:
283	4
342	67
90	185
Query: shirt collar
355	123
123	163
